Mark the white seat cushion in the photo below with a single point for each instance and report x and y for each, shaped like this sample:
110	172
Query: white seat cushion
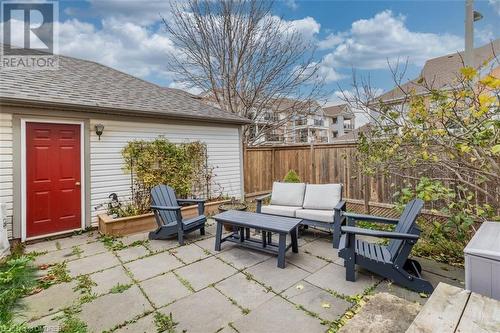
288	194
280	210
315	215
325	196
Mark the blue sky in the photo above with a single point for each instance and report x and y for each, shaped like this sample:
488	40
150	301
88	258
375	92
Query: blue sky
363	35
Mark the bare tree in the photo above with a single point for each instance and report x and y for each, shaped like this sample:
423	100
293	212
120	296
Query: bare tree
443	131
246	60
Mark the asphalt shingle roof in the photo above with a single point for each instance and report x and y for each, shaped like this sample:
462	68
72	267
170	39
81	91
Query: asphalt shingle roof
442	72
336	110
94	87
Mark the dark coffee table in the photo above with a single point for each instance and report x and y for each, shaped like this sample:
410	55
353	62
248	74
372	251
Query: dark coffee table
267	224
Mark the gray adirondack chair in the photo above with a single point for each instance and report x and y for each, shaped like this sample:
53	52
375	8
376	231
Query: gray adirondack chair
167	210
389	261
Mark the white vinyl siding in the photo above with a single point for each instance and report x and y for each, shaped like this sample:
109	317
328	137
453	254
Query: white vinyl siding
106	163
6	168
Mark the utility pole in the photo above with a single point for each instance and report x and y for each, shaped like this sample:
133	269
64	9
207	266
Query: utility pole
471	16
469	33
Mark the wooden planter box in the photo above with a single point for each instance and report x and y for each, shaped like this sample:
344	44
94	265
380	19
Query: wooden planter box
142	223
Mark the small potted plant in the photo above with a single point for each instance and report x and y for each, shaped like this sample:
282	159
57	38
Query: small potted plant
232	205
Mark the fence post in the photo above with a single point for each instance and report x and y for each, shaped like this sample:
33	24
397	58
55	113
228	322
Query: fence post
273	166
312	177
367	194
244	168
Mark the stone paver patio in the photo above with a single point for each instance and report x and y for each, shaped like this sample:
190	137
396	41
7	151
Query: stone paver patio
235	290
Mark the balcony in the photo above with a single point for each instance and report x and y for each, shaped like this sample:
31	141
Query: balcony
300	122
322	139
348	126
275	138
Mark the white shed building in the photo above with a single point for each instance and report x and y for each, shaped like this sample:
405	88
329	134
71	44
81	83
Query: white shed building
55	170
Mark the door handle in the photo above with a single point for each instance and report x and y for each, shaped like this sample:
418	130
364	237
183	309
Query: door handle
77	184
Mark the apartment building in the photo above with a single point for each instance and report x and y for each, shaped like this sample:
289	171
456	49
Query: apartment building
310	125
341	120
285	121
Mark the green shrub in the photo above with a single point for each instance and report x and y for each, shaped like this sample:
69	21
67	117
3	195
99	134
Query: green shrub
17	278
291	177
444	240
10	327
181	166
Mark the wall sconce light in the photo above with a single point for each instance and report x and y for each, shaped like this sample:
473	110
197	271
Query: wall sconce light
99	128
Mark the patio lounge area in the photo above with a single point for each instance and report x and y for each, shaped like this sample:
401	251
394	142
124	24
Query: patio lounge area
132	279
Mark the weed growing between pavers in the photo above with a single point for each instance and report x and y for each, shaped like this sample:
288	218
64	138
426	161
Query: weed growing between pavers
32	254
319	257
233	327
76	251
248	276
310	313
57	273
88	230
139	242
244	310
358	301
70	322
119	288
112	243
184	282
84	286
174	252
128	322
165	323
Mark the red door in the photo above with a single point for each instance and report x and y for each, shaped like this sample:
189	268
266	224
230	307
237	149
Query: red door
53	191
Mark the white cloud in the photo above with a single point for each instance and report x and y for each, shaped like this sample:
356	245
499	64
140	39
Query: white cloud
496	5
370	43
125	46
327	70
131	46
331	41
185	87
484	35
291	4
307	27
142	12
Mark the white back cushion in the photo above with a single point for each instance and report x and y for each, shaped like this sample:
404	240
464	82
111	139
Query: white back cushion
288	194
325	196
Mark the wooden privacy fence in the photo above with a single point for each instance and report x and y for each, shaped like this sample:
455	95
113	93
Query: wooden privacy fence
321	164
317	164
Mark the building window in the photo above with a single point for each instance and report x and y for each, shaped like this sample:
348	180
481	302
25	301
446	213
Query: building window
318	122
303	135
301	121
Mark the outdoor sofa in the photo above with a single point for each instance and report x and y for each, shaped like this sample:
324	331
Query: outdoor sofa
318	205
